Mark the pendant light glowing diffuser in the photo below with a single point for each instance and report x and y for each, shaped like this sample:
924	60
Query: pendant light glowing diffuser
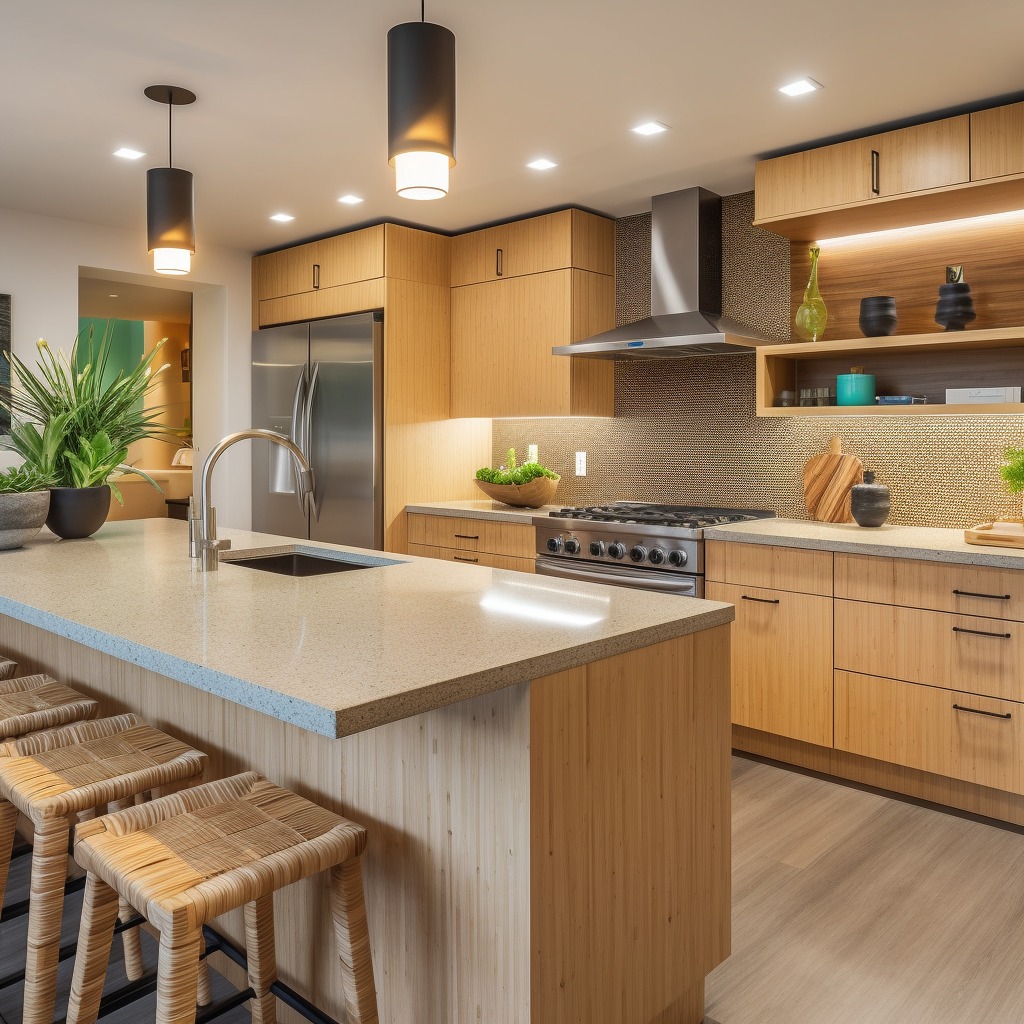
421	108
170	204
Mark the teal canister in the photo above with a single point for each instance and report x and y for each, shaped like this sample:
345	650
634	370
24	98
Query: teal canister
855	387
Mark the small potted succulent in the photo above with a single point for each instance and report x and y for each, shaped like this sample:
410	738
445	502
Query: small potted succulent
526	486
24	503
73	427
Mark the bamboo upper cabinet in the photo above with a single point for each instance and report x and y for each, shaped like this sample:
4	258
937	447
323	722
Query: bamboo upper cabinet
997	142
906	160
327	263
554	241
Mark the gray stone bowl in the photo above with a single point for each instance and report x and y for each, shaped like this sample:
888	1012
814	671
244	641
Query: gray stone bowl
22	517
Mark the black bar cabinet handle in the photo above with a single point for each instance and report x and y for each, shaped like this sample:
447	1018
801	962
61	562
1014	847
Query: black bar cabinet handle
316	275
978	711
988	597
981	632
468	536
761	600
499	262
876	187
457	559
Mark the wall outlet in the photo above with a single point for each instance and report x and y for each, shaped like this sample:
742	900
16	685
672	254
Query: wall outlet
581	463
531	453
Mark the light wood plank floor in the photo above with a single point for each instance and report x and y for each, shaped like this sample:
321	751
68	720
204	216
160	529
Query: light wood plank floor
852	908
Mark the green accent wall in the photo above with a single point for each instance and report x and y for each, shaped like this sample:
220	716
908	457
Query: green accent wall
126	345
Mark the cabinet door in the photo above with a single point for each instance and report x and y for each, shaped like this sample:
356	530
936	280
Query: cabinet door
502	335
287	272
781	661
354	256
923	156
997	142
813	180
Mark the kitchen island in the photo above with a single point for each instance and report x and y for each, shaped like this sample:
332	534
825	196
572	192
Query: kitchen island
542	766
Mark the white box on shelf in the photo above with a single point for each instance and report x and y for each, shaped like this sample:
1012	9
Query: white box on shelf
981	396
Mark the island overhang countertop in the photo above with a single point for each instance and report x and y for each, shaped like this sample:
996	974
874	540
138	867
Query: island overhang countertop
334	654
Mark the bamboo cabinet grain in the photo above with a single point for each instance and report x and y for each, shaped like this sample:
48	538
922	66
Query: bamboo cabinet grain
997	142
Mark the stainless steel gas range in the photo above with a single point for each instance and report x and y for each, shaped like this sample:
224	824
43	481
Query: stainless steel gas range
632	544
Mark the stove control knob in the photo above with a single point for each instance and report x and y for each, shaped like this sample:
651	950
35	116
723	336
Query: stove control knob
657	556
597	548
677	558
616	550
572	546
638	553
554	544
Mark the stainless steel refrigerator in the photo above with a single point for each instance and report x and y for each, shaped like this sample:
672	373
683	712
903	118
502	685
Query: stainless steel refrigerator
321	384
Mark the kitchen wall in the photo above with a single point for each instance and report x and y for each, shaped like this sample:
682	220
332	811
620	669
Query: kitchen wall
685	429
40	258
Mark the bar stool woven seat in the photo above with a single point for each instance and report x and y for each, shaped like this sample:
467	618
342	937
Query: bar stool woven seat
7	667
31	703
185	859
53	776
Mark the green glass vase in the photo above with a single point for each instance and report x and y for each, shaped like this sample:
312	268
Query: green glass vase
812	316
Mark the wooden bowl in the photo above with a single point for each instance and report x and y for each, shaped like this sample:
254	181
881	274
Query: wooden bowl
537	492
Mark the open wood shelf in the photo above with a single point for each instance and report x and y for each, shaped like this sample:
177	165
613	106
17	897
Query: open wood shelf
911	364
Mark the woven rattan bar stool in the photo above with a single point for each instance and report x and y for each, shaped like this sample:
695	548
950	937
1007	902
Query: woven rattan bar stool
188	858
8	668
52	777
31	703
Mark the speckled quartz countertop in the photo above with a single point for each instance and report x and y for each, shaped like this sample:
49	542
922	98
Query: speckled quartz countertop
334	654
930	544
494	510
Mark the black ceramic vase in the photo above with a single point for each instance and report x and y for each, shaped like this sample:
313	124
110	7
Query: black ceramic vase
955	309
77	512
869	502
878	316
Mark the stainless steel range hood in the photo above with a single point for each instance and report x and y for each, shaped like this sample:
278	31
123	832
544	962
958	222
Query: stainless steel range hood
686	290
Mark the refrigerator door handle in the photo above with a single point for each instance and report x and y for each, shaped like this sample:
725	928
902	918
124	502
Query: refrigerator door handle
307	445
298	419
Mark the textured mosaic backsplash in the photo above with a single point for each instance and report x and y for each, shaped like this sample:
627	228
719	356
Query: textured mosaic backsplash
685	429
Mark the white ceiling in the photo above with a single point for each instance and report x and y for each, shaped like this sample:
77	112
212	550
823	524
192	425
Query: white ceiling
292	100
103	297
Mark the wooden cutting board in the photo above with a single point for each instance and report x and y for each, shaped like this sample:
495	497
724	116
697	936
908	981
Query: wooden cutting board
828	479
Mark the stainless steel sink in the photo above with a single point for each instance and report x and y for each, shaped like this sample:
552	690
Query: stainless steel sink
296	561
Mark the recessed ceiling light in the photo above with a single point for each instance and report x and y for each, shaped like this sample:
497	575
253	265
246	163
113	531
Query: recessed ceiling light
113	295
543	164
350	199
650	128
798	88
128	154
282	217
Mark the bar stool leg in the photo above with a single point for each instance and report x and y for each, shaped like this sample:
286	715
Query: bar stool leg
177	977
8	826
49	870
99	911
262	957
134	967
353	938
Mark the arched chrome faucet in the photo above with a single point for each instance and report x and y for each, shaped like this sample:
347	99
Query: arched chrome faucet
208	545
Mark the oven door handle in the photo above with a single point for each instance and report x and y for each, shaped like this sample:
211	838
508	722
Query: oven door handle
684	586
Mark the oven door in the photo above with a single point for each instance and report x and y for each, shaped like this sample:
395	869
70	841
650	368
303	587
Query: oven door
678	584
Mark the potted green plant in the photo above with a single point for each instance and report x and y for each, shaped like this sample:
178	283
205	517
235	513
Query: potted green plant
1012	470
73	427
24	503
526	486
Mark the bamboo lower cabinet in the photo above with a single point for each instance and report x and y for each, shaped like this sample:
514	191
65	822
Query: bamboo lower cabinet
497	545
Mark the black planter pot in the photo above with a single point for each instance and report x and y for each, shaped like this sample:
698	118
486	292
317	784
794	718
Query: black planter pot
77	512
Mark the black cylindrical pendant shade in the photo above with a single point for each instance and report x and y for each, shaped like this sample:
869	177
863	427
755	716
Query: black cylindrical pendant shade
421	90
170	214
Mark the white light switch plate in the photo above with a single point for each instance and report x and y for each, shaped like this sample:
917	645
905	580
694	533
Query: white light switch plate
581	463
531	453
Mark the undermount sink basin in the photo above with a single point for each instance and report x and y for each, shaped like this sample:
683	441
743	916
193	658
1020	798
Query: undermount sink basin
295	561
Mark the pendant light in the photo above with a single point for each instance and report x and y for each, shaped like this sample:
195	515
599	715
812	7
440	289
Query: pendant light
170	207
421	107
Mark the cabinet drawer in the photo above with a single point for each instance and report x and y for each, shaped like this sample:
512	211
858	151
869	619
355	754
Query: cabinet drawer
918	726
958	652
781	661
465	557
476	535
760	565
967	589
555	241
